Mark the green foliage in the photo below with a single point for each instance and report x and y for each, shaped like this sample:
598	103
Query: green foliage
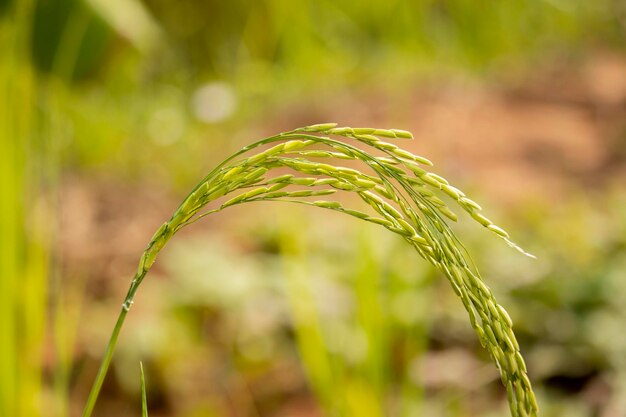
318	37
68	38
23	247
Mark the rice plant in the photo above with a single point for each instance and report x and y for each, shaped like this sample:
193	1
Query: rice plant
399	193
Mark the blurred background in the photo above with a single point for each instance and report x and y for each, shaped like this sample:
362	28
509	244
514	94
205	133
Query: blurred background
112	110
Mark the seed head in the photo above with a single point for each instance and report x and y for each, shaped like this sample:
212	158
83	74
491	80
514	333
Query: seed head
406	198
322	127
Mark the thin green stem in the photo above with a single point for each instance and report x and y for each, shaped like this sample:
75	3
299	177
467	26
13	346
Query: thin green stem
104	366
110	349
144	399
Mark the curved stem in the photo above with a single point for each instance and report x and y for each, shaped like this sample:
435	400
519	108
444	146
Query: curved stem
104	366
110	349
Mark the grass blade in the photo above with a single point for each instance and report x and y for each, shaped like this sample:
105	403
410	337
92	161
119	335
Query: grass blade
144	401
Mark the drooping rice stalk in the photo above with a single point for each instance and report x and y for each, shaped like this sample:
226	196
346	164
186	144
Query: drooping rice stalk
401	195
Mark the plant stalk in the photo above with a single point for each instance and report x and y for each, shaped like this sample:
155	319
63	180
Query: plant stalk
110	349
